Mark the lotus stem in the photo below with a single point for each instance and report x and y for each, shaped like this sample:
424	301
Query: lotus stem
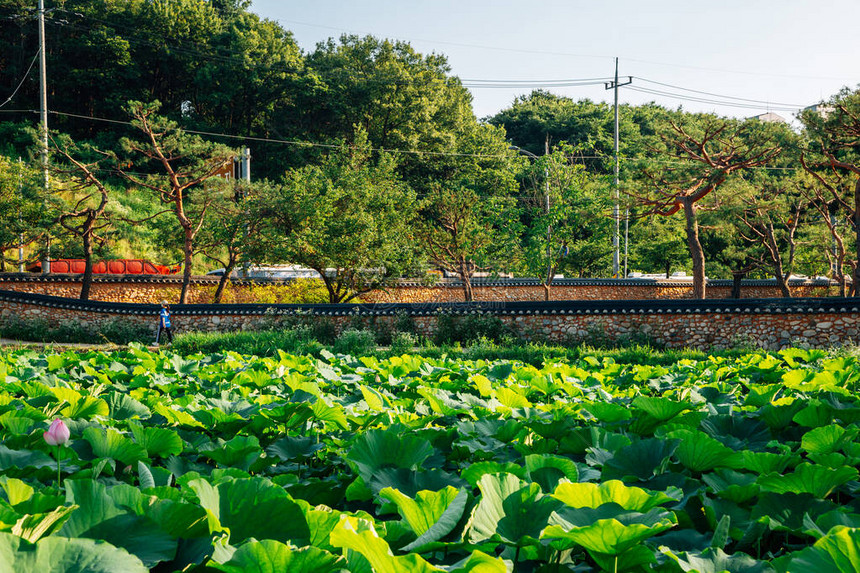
59	478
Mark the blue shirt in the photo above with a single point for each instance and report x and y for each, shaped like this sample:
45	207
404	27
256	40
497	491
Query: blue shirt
165	317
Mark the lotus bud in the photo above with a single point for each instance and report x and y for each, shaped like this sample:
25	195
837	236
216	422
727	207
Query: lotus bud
58	434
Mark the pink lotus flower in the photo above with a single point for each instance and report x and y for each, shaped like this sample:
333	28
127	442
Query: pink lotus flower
58	434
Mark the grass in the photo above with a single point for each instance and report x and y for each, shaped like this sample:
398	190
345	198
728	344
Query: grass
359	343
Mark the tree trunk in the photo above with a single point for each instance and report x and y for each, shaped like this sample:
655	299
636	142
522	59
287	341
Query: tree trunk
737	277
546	287
186	272
856	274
668	270
465	273
219	292
87	280
696	251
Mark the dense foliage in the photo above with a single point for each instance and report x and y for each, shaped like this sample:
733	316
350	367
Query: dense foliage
233	463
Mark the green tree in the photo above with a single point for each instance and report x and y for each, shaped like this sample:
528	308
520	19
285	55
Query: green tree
658	244
707	151
402	99
25	210
469	220
85	214
182	168
562	212
349	219
833	160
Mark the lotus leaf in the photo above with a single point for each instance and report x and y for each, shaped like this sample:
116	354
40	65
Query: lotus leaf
699	452
590	495
819	481
838	551
252	507
269	556
60	555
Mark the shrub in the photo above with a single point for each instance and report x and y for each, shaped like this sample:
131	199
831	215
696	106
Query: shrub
403	342
471	327
355	342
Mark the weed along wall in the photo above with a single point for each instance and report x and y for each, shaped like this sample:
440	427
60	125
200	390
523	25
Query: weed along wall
767	323
152	289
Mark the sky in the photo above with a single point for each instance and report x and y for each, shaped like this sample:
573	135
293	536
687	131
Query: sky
783	54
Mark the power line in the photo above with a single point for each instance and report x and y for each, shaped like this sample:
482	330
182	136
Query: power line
683	97
717	95
27	73
625	159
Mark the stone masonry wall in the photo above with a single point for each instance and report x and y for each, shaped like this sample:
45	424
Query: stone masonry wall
146	290
691	327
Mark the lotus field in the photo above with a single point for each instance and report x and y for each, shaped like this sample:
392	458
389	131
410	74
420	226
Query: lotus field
296	464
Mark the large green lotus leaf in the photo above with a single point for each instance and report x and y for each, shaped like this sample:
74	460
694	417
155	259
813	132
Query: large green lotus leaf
837	552
819	481
827	439
548	470
321	522
252	507
787	511
108	443
161	442
359	535
737	432
269	556
60	555
16	425
717	561
662	409
436	510
330	414
814	415
780	415
475	471
638	558
16	490
608	412
35	526
766	462
611	536
99	517
591	495
24	459
509	510
123	407
642	459
699	452
410	482
294	448
240	452
732	485
761	394
378	449
824	523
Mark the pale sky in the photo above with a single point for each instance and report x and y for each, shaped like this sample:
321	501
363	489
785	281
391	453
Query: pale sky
794	52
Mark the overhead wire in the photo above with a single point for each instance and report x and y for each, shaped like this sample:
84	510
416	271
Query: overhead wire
416	152
23	79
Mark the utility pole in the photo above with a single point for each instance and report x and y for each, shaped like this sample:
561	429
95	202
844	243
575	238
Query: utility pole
245	173
43	127
616	239
20	200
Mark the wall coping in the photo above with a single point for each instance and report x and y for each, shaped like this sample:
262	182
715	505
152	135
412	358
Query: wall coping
441	283
577	307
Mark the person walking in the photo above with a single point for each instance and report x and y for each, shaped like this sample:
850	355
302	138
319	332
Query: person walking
164	323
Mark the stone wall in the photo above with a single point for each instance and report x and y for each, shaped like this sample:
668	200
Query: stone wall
153	289
771	324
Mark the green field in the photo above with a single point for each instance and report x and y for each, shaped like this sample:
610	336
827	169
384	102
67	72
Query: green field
225	462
